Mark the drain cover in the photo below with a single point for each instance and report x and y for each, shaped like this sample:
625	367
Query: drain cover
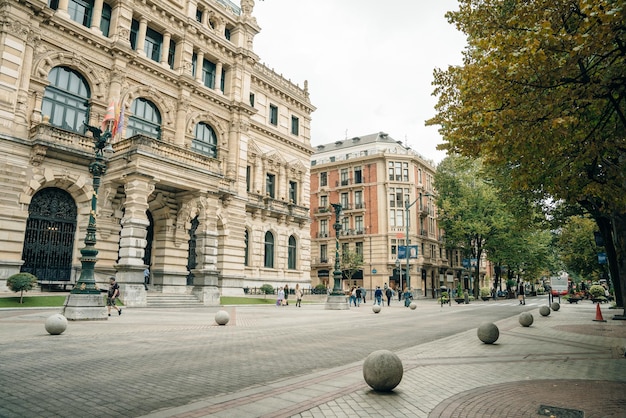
557	412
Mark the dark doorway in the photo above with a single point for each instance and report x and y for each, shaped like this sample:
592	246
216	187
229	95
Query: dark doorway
191	254
49	237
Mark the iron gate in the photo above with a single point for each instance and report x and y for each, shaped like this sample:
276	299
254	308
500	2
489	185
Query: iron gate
49	237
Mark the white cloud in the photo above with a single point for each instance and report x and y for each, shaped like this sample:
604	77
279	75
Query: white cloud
369	64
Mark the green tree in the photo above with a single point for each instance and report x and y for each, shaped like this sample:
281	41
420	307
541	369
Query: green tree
21	282
578	250
541	96
470	212
351	262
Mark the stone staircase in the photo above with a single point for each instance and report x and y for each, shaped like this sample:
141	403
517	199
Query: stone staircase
172	300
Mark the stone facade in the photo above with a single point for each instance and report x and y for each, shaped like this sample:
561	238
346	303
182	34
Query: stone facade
208	185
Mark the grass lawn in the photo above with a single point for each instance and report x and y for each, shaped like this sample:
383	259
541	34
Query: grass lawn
32	301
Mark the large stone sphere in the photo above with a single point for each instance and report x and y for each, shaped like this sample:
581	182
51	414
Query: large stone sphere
413	305
382	370
56	324
488	332
222	317
544	310
375	308
526	319
555	306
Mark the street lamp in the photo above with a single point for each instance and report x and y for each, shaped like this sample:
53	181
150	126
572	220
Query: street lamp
336	299
337	274
84	301
399	267
407	206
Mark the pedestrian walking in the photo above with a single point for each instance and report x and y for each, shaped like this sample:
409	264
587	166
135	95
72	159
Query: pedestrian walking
298	296
352	296
280	297
146	277
520	293
363	293
407	297
389	295
378	296
286	295
112	294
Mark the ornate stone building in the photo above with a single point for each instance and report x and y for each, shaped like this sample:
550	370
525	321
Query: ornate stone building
208	185
374	178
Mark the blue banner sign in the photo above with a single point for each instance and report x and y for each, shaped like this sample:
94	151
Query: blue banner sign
402	251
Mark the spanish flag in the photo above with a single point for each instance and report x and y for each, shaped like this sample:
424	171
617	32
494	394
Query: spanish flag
109	116
119	120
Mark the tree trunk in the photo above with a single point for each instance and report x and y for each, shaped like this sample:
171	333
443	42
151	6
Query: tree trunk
613	232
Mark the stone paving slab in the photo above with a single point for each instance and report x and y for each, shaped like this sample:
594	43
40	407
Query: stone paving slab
566	347
559	356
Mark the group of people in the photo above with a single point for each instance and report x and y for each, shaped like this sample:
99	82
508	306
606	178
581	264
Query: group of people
283	296
356	295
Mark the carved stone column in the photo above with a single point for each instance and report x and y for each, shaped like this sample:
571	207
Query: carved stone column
133	239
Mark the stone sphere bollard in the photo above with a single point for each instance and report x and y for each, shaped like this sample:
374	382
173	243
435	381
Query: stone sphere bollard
413	305
382	370
555	306
526	319
222	317
56	324
488	332
376	308
544	310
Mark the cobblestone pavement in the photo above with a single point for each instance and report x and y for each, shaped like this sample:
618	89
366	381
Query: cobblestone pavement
307	362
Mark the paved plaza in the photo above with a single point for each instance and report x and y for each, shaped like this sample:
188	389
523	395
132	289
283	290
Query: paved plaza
307	362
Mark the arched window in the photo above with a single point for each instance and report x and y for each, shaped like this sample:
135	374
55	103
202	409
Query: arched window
245	249
145	119
269	250
205	141
66	99
291	253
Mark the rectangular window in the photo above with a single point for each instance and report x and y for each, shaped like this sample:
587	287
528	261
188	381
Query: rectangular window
293	192
358	177
248	172
295	125
252	99
80	11
344	200
270	185
227	33
323	201
359	249
358	224
324	253
105	20
171	54
398	172
273	115
358	199
344	177
405	171
345	248
198	15
323	179
152	46
419	176
208	74
390	170
324	227
345	224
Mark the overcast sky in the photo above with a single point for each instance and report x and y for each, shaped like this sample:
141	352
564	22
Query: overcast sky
369	63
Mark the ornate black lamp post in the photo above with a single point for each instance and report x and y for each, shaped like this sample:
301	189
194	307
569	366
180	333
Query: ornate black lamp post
85	301
337	300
